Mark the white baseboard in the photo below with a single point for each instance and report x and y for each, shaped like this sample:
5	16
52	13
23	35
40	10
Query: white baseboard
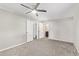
12	46
60	40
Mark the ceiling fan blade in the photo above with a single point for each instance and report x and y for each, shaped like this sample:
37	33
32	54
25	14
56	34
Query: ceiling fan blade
37	5
26	6
42	10
28	12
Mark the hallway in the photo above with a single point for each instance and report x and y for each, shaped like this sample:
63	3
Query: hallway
42	47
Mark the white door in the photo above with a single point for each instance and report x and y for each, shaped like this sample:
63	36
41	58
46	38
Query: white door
35	30
29	30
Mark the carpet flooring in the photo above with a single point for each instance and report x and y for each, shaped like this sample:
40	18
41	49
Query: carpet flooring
42	47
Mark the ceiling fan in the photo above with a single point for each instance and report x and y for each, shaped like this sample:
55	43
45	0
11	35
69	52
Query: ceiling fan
34	9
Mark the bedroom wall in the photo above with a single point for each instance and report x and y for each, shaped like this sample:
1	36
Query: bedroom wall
69	28
62	30
75	13
12	29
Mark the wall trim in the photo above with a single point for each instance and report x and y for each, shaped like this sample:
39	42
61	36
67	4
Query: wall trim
12	46
63	41
60	40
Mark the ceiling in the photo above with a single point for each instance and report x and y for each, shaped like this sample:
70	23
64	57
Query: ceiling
54	10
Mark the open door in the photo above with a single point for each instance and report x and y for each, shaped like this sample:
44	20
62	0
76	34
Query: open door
35	30
43	30
29	30
46	30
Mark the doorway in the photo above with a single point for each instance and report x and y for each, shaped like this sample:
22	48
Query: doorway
35	31
43	30
46	34
46	30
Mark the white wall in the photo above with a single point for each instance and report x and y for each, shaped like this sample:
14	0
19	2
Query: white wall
76	26
62	30
67	30
12	29
75	13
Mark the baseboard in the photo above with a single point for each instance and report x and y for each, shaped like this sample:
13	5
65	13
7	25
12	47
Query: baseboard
61	40
12	46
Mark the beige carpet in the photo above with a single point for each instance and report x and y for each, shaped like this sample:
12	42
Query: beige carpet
42	47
